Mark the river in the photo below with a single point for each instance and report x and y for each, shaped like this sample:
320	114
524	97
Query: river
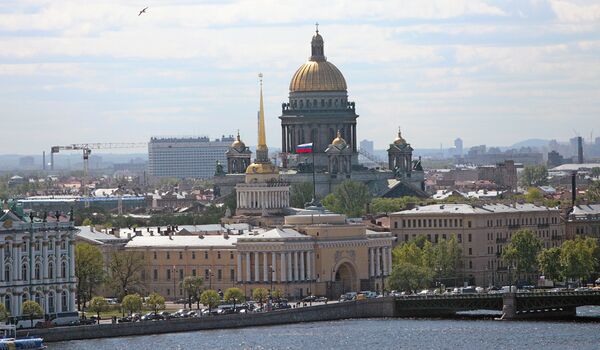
373	334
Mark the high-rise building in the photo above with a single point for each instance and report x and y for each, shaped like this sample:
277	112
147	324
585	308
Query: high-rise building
458	144
193	157
367	146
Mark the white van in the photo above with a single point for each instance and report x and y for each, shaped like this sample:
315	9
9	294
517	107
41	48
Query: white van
21	322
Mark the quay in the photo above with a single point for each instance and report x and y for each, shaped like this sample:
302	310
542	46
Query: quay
513	306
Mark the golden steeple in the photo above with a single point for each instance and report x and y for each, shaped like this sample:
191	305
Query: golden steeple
262	139
399	140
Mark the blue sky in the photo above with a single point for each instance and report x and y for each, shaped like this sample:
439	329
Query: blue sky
493	72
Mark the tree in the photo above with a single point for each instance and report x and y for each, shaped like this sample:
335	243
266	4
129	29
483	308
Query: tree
409	277
260	295
3	313
390	205
155	302
98	305
593	192
125	269
193	287
349	197
522	251
534	195
300	194
534	175
446	259
210	298
596	172
89	271
549	263
86	222
234	295
132	303
578	257
33	310
277	294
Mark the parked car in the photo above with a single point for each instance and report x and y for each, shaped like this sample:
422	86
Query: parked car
151	316
309	299
167	315
125	319
348	296
179	313
189	314
321	300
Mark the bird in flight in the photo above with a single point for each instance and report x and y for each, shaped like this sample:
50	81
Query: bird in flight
143	11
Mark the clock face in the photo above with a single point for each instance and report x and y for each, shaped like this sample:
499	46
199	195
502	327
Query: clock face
7	224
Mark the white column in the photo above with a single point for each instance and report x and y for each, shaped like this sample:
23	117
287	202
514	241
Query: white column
45	259
308	266
58	301
256	267
302	275
274	267
290	263
377	258
389	257
45	303
72	300
239	267
71	258
247	279
16	263
371	262
296	277
2	262
283	267
385	260
265	267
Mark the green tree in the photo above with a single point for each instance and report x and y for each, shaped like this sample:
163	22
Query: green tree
391	205
409	277
4	314
193	287
87	222
234	295
349	197
132	303
32	310
260	295
578	258
89	270
596	172
522	252
300	194
125	271
155	302
446	259
409	253
277	294
549	263
98	305
534	175
593	192
210	298
534	195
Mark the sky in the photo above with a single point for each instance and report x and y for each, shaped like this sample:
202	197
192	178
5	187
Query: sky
490	72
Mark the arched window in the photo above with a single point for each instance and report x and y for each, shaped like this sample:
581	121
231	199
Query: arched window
7	303
51	270
6	273
38	299
25	296
51	302
38	271
24	271
63	269
63	297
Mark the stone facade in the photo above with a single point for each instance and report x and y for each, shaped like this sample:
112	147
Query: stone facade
37	262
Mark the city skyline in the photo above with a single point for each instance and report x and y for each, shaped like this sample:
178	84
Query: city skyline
104	74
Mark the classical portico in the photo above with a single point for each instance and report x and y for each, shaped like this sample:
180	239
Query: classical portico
258	198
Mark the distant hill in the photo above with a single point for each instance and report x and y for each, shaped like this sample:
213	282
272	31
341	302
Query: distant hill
531	143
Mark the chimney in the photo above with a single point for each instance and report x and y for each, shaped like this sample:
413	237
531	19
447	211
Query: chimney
579	149
170	235
573	188
226	234
200	235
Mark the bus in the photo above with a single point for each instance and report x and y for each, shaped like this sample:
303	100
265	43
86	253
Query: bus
63	318
21	322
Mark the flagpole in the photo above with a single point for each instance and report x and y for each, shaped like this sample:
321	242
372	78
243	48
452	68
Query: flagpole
314	182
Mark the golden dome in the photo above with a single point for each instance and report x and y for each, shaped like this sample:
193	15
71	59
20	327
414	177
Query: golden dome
318	76
261	168
338	141
238	144
399	140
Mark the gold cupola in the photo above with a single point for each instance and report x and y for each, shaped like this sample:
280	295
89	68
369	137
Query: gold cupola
399	140
238	143
338	141
318	74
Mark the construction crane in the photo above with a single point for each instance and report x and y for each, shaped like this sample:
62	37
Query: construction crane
87	148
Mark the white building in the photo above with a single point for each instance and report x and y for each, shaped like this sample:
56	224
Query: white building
193	157
37	261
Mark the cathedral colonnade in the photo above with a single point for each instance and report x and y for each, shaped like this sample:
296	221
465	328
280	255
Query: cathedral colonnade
319	134
262	197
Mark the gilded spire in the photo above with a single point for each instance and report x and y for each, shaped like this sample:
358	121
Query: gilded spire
262	140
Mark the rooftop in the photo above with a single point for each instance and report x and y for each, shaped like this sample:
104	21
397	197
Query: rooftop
469	209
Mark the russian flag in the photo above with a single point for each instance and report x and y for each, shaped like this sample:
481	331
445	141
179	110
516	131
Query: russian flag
304	148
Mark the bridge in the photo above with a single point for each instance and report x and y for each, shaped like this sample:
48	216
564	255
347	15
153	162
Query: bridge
512	305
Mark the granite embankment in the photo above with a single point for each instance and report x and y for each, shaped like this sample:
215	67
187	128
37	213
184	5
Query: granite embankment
380	307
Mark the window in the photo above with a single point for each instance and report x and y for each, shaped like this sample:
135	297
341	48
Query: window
155	274
51	245
63	245
194	272
470	237
231	255
168	255
218	254
168	291
460	238
180	274
6	273
470	264
37	272
168	274
395	224
63	269
37	246
7	251
232	275
219	274
206	255
63	298
206	274
24	247
154	255
469	223
470	251
50	270
24	273
193	255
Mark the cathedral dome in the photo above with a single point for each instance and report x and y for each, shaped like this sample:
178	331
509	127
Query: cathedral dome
399	140
338	141
261	168
318	74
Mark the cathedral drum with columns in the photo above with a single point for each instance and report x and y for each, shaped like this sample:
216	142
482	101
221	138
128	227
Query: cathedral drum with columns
37	261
